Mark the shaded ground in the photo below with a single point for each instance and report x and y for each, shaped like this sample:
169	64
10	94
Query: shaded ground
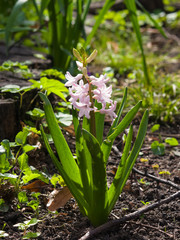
162	223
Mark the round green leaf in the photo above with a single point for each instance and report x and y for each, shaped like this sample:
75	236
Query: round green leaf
172	141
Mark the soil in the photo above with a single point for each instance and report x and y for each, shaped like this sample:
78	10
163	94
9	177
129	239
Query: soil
159	224
162	223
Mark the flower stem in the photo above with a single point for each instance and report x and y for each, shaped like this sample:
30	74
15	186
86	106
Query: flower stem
92	114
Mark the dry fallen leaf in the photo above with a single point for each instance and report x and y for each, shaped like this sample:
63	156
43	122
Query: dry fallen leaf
127	187
112	171
70	130
35	186
58	198
33	138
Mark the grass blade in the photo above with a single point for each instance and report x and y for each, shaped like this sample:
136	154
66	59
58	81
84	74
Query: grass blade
131	6
99	19
86	8
12	20
44	4
156	24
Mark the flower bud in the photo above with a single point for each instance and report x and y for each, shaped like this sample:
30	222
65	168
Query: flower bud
84	71
92	56
77	55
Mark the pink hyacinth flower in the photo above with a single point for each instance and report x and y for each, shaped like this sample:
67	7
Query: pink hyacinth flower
84	107
99	82
79	65
72	80
110	110
103	95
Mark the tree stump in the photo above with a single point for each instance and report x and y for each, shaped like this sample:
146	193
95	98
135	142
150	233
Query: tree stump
8	119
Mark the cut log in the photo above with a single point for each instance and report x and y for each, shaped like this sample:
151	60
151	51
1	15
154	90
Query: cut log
8	119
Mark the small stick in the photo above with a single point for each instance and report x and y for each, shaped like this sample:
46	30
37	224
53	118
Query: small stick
155	228
157	179
105	227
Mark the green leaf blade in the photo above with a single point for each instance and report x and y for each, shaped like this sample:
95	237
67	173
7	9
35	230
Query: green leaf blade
120	181
12	19
75	189
98	211
107	143
116	186
63	150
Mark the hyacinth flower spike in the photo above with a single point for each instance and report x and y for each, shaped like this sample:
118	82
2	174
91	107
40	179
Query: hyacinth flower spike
85	175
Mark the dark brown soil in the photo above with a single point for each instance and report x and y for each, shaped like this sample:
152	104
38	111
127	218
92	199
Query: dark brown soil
162	223
159	224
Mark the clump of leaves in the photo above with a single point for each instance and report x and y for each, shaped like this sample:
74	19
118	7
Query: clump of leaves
14	167
27	224
52	73
17	67
48	81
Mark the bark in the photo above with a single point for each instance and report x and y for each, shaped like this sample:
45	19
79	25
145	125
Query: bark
8	119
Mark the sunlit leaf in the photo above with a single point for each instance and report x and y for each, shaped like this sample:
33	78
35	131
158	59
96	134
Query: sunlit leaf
155	128
36	113
22	197
21	137
56	178
172	141
10	88
23	162
28	148
27	224
8	175
64	118
31	235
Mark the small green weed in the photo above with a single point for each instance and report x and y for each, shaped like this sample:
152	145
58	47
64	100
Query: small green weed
158	148
27	224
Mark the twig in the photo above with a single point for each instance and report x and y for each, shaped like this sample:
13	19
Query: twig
157	179
164	134
115	223
152	227
147	226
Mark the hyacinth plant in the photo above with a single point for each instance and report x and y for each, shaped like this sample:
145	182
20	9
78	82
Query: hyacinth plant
85	174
